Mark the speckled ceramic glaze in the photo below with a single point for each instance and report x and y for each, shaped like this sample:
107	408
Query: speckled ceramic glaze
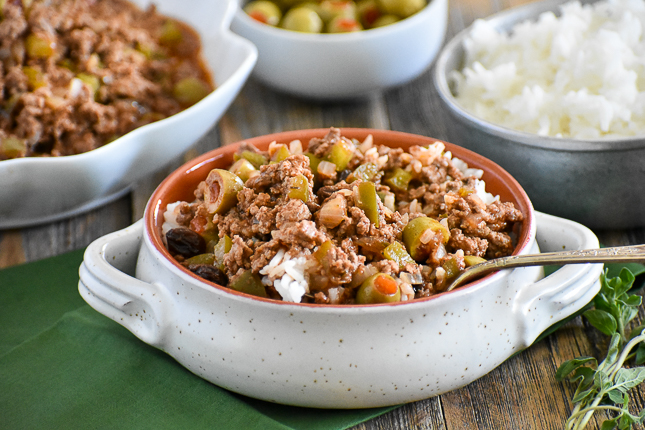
334	356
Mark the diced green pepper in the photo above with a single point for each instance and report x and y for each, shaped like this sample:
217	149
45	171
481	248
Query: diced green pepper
170	33
249	283
38	46
398	179
341	153
35	78
465	192
313	161
13	147
472	260
254	158
243	169
395	251
92	81
207	258
368	201
364	172
299	188
322	254
280	154
220	250
451	267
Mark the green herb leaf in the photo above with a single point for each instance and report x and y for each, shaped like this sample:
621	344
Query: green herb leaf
602	320
629	378
609	424
640	354
616	396
571	365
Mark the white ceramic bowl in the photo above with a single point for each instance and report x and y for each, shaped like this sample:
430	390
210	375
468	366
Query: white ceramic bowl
37	190
596	182
343	66
326	356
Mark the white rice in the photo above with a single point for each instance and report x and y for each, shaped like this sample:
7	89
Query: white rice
170	218
480	186
286	274
581	75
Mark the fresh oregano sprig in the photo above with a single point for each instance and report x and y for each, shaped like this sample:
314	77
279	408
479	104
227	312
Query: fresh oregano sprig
605	386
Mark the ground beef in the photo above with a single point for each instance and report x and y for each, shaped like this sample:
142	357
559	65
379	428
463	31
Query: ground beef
76	74
288	219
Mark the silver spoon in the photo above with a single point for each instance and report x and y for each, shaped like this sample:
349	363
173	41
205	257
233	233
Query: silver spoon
618	254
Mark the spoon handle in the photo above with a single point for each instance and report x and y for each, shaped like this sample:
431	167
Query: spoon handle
618	254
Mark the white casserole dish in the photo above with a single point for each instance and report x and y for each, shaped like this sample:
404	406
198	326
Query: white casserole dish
38	190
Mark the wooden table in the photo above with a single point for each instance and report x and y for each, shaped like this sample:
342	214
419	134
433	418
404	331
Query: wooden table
521	394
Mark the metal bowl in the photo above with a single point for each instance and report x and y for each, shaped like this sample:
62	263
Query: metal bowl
596	182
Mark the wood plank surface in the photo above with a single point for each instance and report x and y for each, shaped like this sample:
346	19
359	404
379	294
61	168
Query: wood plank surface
522	393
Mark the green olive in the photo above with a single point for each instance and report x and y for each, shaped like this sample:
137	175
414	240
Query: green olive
414	232
189	91
379	288
330	9
264	11
401	8
368	12
384	20
220	193
341	24
302	19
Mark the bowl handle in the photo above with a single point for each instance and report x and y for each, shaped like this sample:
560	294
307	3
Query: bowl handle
107	283
565	291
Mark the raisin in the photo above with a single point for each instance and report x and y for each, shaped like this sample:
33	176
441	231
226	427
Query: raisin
209	272
185	242
342	175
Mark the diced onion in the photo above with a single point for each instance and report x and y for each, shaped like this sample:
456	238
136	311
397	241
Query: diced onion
333	212
411	278
325	168
295	147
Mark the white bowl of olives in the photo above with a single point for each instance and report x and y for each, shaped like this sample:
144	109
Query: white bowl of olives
341	49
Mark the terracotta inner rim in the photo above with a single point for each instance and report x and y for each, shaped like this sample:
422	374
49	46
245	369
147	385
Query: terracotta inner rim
183	181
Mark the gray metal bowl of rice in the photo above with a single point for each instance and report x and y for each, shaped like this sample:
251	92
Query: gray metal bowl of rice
555	93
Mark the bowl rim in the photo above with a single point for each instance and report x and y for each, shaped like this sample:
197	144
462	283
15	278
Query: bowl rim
500	20
281	34
153	215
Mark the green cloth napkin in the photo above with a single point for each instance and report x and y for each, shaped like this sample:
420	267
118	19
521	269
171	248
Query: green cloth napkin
65	366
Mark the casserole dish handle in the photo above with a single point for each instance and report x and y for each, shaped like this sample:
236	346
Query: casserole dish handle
566	290
107	283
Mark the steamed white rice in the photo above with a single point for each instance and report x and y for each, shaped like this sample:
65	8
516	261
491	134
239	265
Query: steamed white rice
581	75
